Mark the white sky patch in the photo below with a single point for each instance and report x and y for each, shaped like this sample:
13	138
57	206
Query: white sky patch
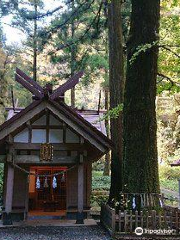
14	35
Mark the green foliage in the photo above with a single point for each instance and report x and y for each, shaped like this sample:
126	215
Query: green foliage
100	182
98	200
169	173
169	51
169	184
113	113
169	177
142	49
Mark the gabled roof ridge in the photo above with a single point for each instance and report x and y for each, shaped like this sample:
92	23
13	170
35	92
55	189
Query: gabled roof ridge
84	120
61	106
19	114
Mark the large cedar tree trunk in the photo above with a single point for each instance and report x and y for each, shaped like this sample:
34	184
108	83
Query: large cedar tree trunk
35	43
140	162
116	79
107	156
73	57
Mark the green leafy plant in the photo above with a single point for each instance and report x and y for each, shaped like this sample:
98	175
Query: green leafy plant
142	49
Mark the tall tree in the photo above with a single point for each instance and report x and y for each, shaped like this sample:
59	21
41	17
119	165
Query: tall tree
3	79
73	55
140	163
116	83
35	42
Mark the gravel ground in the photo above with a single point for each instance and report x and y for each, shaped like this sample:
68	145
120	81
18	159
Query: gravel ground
54	233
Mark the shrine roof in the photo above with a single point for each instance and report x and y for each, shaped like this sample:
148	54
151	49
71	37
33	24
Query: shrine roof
85	120
94	117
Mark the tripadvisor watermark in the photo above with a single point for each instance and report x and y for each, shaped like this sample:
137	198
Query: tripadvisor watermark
140	231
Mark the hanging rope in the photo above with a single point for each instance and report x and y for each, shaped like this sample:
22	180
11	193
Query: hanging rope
42	175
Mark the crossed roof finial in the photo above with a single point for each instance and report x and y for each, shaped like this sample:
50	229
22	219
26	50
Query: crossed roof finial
47	91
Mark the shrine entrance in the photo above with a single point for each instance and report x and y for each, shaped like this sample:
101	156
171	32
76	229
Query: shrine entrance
47	189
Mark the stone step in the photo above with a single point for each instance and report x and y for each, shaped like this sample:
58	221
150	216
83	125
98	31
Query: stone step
45	217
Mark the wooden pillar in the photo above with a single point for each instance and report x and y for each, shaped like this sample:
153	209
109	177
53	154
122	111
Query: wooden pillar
9	190
9	184
80	214
9	195
26	202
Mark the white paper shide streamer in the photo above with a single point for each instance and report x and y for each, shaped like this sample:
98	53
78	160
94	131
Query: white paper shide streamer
54	184
134	203
38	183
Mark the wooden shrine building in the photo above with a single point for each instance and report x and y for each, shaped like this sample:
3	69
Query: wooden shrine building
48	149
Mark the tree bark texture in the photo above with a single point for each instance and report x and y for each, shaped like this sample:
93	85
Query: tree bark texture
116	80
107	156
140	161
35	43
73	57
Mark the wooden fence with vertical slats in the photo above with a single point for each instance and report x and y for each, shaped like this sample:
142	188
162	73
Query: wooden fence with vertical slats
126	222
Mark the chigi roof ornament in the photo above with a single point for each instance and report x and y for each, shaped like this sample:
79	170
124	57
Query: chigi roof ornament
47	91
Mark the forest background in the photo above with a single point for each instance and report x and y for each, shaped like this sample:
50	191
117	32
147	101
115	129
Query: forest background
73	35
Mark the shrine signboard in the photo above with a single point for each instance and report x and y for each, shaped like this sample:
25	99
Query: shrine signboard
46	152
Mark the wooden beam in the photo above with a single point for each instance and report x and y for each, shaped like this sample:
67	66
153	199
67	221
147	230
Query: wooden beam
44	127
29	131
47	125
23	119
66	86
56	146
34	159
77	128
29	80
28	86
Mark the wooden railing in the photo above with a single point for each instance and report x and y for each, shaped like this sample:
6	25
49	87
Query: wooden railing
126	222
129	221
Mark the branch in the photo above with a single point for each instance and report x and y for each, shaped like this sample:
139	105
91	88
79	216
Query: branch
169	49
58	26
48	13
165	77
173	83
82	37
